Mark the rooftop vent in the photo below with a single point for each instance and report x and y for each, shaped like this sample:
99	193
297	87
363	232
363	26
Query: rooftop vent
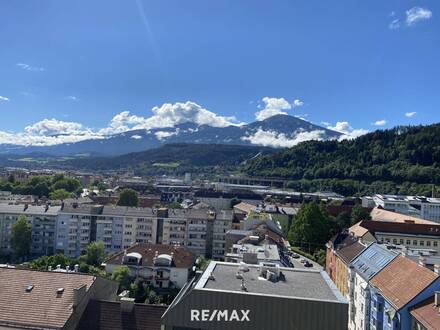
60	291
29	288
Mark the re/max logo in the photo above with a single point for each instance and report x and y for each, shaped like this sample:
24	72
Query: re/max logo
220	315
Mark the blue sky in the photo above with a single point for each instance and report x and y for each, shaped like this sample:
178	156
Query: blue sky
352	62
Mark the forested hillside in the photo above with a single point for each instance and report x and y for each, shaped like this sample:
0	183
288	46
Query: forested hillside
399	160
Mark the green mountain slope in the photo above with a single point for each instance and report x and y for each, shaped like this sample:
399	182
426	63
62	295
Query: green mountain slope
399	160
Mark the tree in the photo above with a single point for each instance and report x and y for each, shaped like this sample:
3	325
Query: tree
122	276
95	254
60	194
21	237
234	201
128	197
359	213
310	227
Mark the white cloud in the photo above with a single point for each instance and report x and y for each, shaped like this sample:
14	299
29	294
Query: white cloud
72	98
347	131
273	106
49	132
280	140
410	114
417	14
28	67
276	106
168	115
4	98
381	122
136	137
161	135
395	24
297	103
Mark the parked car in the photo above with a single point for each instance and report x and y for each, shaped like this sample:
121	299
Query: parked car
308	264
303	261
295	255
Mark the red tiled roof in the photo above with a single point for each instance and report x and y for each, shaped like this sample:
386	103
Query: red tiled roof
378	214
401	280
182	257
42	307
107	315
427	314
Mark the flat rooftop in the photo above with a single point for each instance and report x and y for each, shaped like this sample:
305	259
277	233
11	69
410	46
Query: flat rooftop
306	284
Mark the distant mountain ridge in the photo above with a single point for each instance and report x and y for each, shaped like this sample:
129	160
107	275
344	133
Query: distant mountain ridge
140	140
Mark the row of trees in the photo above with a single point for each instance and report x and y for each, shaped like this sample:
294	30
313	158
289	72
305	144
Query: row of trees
55	187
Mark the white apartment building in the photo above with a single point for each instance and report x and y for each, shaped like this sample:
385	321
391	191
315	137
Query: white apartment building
202	232
42	219
418	206
160	265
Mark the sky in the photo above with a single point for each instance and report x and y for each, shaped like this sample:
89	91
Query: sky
71	70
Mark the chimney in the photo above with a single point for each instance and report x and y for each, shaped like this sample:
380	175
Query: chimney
404	251
422	261
437	298
78	295
76	268
437	269
127	305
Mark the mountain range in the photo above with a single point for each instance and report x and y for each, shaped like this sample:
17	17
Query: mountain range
284	127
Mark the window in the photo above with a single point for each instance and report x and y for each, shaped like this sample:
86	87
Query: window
422	243
414	242
394	241
428	243
408	242
435	243
401	241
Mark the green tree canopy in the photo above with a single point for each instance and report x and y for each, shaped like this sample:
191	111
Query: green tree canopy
359	213
21	237
310	226
60	194
95	254
128	197
122	276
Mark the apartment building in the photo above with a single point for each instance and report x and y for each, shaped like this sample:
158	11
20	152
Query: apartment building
366	265
42	219
163	266
202	232
418	206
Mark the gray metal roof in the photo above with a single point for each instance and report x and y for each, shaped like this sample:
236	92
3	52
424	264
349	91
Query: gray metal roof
29	210
369	262
297	283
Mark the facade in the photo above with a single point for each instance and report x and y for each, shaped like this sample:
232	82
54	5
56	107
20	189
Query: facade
262	296
341	250
162	266
202	232
417	206
403	234
397	288
42	219
366	265
48	300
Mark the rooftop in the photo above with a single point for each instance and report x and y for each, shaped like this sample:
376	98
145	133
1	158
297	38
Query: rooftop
307	284
349	252
41	306
182	258
398	227
427	313
397	281
29	209
107	315
369	262
378	214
